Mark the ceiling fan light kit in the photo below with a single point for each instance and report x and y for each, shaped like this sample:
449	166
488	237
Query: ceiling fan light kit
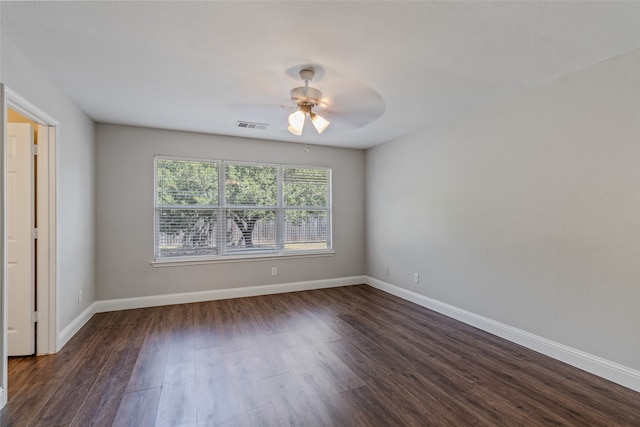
306	97
319	122
296	122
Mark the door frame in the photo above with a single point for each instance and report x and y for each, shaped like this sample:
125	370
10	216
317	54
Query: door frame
46	259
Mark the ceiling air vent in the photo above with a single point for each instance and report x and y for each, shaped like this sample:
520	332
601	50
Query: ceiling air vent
251	125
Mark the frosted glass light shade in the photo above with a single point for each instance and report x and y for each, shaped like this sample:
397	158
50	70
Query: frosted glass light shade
296	122
294	130
297	119
320	123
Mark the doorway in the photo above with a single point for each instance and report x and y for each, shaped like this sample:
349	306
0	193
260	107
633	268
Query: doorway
45	297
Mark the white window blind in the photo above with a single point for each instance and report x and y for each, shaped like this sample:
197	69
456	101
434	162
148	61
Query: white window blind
215	208
186	208
306	208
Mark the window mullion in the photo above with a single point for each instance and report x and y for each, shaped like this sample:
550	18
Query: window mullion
329	207
221	217
156	213
280	226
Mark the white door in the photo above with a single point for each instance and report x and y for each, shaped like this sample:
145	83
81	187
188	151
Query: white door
20	251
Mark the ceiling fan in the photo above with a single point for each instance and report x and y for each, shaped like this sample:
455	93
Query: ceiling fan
347	104
306	97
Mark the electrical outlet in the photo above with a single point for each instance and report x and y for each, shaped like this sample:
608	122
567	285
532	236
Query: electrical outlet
274	271
386	271
79	296
416	277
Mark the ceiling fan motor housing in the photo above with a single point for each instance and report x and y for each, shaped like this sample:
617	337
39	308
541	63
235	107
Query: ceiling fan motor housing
306	94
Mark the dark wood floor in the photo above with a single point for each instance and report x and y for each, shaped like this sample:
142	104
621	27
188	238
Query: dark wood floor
351	356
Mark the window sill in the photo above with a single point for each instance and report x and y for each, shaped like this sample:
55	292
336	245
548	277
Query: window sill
176	262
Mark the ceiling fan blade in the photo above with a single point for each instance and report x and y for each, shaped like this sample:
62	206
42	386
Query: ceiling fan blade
349	120
349	102
353	112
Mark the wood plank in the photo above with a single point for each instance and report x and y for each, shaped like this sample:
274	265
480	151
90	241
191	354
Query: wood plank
103	401
178	404
262	417
207	334
152	358
138	409
24	407
179	330
101	405
69	397
300	409
216	402
370	410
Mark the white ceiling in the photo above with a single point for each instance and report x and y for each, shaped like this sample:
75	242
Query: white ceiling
202	66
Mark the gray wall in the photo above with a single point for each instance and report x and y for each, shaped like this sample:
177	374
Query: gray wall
125	213
75	155
526	212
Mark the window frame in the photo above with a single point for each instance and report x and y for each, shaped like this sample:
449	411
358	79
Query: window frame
230	255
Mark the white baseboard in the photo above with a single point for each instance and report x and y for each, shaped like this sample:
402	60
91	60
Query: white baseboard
70	330
611	371
248	291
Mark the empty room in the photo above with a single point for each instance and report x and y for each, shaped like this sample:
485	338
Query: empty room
320	213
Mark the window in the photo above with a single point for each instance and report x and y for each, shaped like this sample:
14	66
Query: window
212	209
